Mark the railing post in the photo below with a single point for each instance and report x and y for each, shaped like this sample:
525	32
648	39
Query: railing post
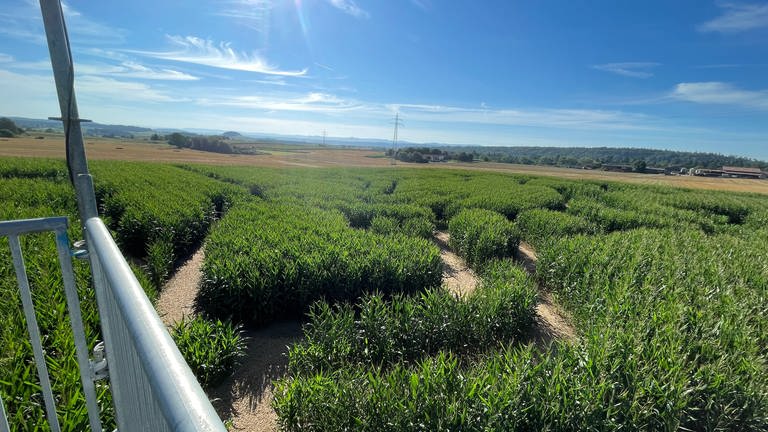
64	75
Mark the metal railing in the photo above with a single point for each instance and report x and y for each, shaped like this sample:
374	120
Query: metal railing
152	387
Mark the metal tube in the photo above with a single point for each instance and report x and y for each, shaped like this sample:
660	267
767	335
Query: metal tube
34	332
28	226
179	396
76	320
63	74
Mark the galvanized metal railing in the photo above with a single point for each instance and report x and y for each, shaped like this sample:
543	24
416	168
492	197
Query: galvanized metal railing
152	387
58	225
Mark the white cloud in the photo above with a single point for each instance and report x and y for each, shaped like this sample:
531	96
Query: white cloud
328	104
254	14
191	49
322	66
314	102
543	118
129	69
126	69
100	88
738	17
630	69
349	7
5	58
720	93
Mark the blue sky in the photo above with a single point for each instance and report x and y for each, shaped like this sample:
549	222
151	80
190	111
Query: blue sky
682	75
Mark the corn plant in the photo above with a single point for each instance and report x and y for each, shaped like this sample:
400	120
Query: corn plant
481	235
266	260
212	349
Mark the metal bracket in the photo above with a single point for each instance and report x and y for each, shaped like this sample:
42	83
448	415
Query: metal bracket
80	250
99	366
74	119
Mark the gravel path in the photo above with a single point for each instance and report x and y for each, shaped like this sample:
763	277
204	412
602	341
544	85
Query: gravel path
178	294
246	397
457	277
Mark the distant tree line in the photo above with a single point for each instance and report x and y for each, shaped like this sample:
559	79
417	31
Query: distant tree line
595	157
426	154
215	144
8	128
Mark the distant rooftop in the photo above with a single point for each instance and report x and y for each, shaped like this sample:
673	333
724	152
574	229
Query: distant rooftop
742	170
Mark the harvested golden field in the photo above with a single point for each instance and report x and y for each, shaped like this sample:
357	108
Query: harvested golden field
279	155
139	150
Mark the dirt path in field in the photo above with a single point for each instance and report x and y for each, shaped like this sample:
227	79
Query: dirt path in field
246	397
457	277
178	294
552	322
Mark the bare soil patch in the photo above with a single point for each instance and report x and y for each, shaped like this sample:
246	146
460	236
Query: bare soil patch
551	322
246	396
457	276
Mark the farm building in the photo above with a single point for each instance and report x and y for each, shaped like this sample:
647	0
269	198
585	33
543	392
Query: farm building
435	157
703	172
741	172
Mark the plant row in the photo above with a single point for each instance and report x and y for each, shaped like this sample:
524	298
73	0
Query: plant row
482	235
405	329
268	260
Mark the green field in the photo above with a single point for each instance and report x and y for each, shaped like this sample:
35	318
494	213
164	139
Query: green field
667	288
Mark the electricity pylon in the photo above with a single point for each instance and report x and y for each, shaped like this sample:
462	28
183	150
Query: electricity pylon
398	123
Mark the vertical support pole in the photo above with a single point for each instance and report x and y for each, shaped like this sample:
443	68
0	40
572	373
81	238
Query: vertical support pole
34	333
64	75
78	332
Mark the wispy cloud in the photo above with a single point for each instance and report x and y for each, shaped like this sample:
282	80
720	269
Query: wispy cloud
5	58
22	21
329	104
254	14
191	49
630	69
720	66
101	88
80	25
22	24
126	69
322	66
720	93
311	102
349	7
738	17
129	69
546	118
